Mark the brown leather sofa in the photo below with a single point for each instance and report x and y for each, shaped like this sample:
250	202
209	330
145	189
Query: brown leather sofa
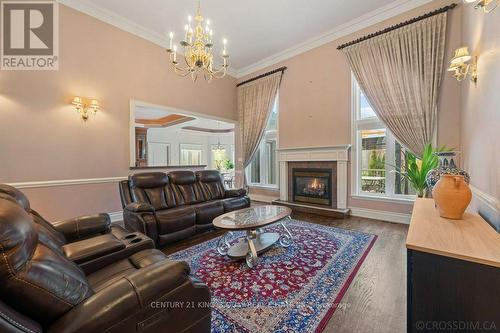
90	241
171	207
42	291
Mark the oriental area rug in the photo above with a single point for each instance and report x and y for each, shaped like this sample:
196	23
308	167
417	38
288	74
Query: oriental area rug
293	289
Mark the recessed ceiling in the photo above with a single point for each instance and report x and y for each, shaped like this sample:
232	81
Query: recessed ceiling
151	113
256	29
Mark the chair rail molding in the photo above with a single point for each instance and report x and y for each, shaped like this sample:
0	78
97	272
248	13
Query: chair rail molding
66	182
487	199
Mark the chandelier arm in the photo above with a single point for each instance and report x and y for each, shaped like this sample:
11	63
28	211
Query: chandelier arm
222	71
181	71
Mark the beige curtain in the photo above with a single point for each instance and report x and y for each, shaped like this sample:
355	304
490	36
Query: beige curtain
255	100
400	73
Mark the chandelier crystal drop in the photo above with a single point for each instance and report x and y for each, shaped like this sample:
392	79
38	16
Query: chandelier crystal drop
198	57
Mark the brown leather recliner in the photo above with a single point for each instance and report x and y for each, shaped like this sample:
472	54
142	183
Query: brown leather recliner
171	207
90	241
42	291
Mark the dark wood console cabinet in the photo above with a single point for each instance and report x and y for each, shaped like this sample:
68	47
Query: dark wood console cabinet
453	273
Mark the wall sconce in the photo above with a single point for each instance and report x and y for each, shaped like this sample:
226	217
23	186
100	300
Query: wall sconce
486	5
85	108
461	67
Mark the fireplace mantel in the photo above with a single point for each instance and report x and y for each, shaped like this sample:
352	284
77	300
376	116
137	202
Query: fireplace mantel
340	154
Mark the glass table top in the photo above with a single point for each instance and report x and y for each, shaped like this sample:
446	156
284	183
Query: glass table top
252	217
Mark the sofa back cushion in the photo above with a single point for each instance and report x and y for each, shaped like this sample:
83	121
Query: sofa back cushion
186	190
34	279
17	195
48	232
152	188
211	184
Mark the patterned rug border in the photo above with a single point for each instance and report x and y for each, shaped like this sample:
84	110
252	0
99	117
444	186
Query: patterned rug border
347	284
331	311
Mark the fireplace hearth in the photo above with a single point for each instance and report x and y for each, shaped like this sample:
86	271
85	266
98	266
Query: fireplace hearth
312	185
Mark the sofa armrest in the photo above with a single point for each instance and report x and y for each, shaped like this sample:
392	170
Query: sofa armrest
90	249
84	226
126	299
140	217
235	193
139	207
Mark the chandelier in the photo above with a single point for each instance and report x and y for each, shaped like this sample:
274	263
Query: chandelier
198	57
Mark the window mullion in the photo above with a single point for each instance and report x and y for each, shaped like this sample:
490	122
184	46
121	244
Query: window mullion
390	161
263	171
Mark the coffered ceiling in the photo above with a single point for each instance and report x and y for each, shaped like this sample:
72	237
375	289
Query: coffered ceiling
260	32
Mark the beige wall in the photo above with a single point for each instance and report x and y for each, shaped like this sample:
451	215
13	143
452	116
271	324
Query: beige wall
43	138
315	97
480	109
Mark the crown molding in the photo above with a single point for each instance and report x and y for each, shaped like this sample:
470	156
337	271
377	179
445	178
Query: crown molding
122	23
365	21
381	14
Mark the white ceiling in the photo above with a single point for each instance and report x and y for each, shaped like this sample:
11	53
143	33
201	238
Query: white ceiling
257	30
142	112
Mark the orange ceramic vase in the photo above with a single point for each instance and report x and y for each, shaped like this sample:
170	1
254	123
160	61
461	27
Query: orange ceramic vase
452	195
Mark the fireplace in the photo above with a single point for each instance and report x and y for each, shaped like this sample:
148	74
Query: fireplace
313	183
312	186
324	190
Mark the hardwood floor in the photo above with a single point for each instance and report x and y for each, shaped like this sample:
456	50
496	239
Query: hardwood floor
376	299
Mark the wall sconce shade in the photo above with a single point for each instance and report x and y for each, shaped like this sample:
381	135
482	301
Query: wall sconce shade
462	55
486	5
85	108
461	67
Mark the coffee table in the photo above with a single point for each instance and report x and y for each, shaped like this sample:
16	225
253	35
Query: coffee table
256	241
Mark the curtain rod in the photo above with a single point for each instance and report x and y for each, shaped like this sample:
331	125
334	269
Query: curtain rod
397	26
281	69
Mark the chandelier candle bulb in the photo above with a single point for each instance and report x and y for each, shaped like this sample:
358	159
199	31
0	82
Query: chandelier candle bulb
171	35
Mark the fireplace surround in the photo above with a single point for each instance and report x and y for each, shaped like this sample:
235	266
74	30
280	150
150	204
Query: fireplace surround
317	160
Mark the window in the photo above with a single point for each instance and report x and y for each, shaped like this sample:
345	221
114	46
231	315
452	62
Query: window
190	154
263	169
376	154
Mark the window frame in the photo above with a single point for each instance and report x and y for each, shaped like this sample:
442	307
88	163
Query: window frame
191	146
269	135
357	125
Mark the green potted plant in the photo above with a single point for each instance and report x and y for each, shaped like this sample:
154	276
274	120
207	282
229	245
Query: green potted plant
228	165
415	170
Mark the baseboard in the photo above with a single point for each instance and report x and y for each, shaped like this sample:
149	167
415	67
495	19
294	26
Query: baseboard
381	215
262	198
116	217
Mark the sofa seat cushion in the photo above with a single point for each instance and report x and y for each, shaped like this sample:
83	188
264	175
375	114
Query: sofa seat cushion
207	211
232	204
175	219
111	273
